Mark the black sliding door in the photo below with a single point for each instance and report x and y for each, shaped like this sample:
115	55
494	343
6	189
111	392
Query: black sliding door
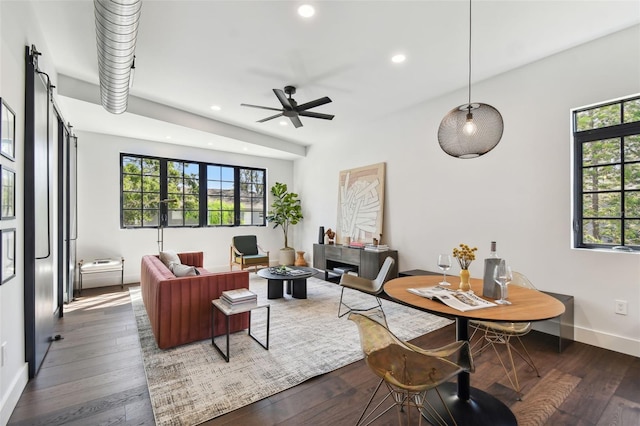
40	286
66	214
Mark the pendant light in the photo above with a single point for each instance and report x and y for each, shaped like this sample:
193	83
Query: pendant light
472	129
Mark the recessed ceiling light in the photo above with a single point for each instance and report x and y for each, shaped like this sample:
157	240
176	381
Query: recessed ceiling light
215	107
306	11
398	59
168	136
283	123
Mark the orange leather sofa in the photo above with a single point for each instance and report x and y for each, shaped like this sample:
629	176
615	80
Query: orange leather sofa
179	309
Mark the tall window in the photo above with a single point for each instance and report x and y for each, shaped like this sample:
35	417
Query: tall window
607	175
140	191
220	195
252	196
187	193
183	193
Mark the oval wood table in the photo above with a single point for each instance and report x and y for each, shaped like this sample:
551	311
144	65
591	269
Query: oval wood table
470	405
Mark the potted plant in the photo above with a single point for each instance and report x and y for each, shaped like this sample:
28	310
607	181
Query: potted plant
285	211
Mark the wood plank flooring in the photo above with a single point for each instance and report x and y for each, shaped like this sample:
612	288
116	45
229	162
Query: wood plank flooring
94	375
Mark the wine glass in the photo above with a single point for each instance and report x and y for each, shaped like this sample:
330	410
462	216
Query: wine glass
502	275
444	263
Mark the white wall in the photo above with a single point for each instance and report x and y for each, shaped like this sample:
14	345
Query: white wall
434	202
99	232
17	30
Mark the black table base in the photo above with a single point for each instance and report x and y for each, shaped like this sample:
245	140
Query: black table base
481	409
297	288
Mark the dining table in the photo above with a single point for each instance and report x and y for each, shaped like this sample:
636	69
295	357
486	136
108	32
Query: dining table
469	405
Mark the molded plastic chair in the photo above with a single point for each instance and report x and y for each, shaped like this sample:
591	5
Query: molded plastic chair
502	333
373	287
407	371
245	252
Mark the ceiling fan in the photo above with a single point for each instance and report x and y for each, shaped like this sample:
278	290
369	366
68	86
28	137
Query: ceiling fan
291	109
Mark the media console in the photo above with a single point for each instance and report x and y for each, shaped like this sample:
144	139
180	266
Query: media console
365	263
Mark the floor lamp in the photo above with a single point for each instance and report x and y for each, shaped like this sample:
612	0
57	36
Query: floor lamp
160	224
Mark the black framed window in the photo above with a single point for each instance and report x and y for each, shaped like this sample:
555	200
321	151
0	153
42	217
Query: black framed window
220	195
252	196
183	193
178	193
607	175
140	184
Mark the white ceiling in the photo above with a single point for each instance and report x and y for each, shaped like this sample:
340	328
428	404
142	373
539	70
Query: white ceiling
194	54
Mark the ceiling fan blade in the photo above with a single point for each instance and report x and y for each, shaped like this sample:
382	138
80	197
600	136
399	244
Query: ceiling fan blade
296	121
283	98
269	118
313	104
262	107
316	115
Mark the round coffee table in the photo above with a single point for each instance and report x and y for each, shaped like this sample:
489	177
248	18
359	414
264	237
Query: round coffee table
295	277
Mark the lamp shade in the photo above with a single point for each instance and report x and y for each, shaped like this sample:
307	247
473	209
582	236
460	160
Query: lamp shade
470	130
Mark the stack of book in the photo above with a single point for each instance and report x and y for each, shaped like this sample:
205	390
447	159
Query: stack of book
238	297
344	269
356	244
379	247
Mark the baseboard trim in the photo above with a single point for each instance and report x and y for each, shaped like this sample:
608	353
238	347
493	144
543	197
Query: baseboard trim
10	399
608	341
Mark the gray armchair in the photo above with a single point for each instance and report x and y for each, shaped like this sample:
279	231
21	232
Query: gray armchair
246	253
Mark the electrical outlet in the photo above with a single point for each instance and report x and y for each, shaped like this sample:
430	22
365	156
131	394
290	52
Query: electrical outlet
620	307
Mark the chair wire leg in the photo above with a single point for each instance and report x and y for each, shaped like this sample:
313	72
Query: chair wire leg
431	414
513	381
352	309
364	417
526	356
340	313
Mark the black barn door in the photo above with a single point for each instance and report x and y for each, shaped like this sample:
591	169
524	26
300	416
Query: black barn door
40	301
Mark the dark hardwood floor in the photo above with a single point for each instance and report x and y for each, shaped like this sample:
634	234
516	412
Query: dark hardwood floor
94	375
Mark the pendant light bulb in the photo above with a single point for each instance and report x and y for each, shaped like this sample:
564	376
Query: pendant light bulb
469	127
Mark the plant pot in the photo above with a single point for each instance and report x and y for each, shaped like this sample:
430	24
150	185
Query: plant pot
287	256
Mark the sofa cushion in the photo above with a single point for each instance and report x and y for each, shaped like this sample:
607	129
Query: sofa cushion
180	270
168	257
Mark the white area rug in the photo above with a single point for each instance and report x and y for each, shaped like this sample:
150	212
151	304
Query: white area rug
192	383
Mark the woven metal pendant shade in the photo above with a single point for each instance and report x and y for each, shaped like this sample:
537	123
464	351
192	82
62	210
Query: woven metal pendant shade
459	138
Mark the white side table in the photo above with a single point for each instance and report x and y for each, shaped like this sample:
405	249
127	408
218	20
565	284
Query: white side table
227	311
99	266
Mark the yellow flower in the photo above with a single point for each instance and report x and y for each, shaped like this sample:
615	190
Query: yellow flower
465	255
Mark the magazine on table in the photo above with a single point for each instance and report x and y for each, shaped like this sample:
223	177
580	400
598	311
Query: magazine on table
460	300
296	271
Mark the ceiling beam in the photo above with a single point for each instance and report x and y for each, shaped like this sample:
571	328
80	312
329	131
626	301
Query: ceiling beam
88	92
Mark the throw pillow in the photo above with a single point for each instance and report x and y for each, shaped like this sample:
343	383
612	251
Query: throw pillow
168	257
180	270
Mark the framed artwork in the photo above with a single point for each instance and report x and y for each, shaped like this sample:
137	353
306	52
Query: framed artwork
361	203
8	254
8	196
8	131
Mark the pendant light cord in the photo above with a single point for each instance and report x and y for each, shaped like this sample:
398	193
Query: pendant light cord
469	55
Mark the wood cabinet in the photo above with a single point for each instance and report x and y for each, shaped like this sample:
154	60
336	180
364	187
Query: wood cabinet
365	263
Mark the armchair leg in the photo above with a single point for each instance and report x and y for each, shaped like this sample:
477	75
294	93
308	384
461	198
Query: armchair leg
352	309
